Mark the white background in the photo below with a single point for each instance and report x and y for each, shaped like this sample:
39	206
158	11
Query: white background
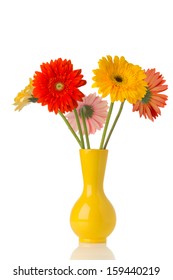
40	175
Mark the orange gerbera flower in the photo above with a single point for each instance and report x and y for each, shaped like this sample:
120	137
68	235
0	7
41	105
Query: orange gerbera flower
150	103
57	85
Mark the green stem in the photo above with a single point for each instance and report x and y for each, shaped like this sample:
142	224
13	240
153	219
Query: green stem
85	128
80	129
70	128
114	124
106	125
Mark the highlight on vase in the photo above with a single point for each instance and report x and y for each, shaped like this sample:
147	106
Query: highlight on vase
57	85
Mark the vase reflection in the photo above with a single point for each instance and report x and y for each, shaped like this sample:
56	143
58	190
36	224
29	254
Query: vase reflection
92	251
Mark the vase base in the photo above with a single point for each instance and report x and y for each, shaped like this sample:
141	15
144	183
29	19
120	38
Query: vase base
89	240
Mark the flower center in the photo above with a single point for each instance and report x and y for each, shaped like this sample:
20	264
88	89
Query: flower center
88	111
59	86
33	99
147	97
118	79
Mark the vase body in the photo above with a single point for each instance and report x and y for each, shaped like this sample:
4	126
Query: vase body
93	217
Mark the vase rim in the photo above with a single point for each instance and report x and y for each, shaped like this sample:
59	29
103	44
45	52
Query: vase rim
93	149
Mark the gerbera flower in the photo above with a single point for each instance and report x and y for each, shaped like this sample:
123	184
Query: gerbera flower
122	80
95	111
57	85
150	103
25	96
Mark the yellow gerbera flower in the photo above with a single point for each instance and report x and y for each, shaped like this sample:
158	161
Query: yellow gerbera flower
24	97
122	80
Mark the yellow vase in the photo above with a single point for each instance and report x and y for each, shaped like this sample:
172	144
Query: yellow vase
93	217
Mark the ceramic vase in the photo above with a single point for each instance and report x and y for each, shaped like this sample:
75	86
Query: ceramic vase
93	217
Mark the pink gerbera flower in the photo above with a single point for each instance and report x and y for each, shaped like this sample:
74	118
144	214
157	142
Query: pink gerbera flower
95	111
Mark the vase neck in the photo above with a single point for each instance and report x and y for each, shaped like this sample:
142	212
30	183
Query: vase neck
93	163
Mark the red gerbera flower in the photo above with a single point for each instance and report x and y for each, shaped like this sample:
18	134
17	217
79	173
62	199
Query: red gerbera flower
57	85
150	103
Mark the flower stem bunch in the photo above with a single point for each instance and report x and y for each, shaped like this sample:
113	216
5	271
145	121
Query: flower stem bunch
57	86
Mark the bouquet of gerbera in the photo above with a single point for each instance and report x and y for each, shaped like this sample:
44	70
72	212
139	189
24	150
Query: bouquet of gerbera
57	86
